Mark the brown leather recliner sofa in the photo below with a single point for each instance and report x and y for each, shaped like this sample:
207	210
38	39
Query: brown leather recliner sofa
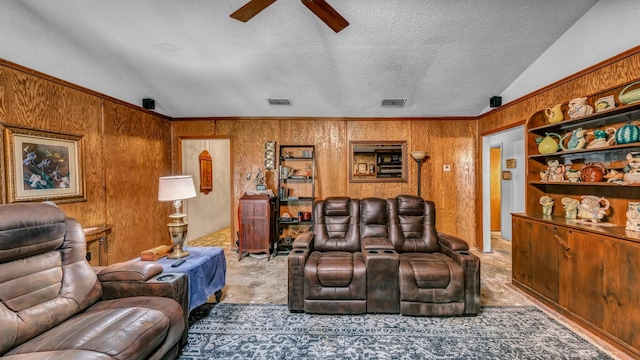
381	256
54	305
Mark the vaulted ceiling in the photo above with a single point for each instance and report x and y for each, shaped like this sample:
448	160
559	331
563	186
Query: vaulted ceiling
446	58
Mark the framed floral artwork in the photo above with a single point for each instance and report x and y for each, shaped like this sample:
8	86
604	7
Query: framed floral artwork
43	166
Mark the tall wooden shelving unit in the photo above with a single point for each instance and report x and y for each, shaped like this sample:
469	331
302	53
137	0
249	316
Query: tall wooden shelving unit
587	272
296	192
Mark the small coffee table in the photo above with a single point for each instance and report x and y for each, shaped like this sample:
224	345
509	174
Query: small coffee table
206	268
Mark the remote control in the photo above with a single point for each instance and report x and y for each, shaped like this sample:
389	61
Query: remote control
178	263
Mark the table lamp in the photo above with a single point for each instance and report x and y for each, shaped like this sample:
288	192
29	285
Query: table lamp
177	188
419	157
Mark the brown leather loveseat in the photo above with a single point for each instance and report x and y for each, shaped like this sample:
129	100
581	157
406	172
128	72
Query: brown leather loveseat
381	256
53	305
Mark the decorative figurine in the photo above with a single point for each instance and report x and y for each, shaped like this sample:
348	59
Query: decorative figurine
578	107
593	208
576	141
547	205
605	103
555	171
603	138
615	176
572	175
633	216
570	207
259	179
632	169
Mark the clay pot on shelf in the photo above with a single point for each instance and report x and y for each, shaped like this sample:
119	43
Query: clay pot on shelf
593	172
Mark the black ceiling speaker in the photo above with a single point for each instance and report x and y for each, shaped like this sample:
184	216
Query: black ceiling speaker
148	103
495	101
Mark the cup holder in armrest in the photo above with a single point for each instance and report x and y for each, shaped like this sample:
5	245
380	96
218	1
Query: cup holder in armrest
464	253
372	251
389	252
298	251
165	277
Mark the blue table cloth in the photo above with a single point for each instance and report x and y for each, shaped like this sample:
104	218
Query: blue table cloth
206	268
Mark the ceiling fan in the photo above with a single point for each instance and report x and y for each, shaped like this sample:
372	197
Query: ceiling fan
322	10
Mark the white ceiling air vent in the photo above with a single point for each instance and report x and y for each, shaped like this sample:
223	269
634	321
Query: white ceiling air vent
393	102
279	101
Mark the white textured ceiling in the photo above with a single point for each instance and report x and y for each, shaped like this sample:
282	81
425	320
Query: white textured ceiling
446	57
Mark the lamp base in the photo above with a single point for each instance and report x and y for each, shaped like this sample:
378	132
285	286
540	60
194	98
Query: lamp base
178	233
177	253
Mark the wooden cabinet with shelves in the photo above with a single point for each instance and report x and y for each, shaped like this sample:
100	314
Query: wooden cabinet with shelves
296	193
583	270
256	216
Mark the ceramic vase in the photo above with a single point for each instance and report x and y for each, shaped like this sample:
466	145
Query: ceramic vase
633	216
570	207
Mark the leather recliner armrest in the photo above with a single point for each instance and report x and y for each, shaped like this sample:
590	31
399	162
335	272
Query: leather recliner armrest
140	271
303	241
452	242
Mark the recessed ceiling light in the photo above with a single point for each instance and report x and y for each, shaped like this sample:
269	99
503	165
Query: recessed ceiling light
393	102
279	101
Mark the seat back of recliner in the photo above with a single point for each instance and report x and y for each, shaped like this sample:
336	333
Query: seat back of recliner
412	224
374	218
336	225
44	276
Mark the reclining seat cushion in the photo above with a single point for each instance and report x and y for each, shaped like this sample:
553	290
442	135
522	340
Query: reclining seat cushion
426	275
335	273
122	333
430	277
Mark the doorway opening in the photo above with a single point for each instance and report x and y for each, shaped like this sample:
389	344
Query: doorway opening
511	187
211	212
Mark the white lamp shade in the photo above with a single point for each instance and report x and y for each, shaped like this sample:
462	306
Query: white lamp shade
418	155
177	187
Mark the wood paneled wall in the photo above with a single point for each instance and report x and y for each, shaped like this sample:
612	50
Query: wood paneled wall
126	149
614	72
448	141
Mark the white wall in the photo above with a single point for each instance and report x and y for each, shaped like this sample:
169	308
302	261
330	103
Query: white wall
609	28
512	191
211	212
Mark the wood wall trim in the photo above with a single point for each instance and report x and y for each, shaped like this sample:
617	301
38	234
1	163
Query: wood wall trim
503	128
346	119
79	88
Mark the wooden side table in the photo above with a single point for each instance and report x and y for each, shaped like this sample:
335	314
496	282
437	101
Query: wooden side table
99	233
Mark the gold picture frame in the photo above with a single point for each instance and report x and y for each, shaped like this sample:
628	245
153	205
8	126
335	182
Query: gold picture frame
43	166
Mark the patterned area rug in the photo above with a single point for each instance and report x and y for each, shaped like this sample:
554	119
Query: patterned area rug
261	331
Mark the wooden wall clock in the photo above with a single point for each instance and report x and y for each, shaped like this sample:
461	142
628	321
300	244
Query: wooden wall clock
206	172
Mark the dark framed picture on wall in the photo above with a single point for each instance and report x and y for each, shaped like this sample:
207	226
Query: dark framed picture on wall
43	166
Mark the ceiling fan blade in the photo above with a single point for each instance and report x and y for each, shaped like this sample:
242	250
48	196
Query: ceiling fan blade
327	14
251	9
